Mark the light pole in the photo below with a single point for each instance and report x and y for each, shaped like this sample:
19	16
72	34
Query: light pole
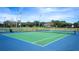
4	20
40	19
19	12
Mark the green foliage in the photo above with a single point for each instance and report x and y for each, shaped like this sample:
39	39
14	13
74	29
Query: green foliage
53	23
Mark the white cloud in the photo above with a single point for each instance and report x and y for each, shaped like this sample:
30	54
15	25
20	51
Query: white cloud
57	17
45	10
4	17
46	15
54	9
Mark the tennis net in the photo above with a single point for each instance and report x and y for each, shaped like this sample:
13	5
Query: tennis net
57	31
4	30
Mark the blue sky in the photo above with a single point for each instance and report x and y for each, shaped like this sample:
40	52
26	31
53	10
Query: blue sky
42	14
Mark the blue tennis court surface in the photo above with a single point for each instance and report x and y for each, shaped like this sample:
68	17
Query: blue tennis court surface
11	43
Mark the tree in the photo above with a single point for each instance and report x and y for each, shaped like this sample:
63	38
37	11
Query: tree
29	24
76	24
42	24
58	23
7	23
36	23
23	24
1	25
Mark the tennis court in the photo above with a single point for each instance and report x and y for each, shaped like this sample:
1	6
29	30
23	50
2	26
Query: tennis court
38	38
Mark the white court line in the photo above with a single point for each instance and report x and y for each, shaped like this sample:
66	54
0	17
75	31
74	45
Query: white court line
43	39
34	43
51	41
22	39
54	41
